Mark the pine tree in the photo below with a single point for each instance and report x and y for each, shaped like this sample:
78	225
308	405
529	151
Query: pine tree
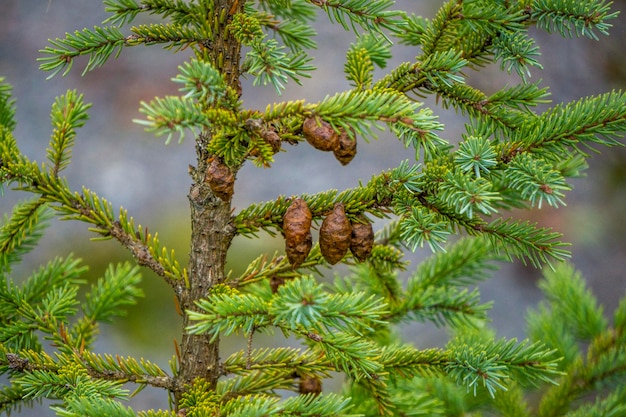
454	199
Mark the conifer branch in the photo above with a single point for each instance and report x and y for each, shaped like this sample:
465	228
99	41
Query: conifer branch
516	52
7	108
77	405
68	113
355	356
50	289
536	181
467	261
369	15
99	44
409	362
380	395
412	29
569	317
524	241
100	367
202	82
503	113
20	233
299	303
303	303
107	367
12	398
594	120
103	42
267	60
297	10
278	269
378	276
229	313
359	67
492	364
469	195
445	306
444	22
98	212
112	292
572	18
125	11
373	198
172	115
611	404
268	216
420	224
90	208
476	104
521	96
269	64
257	383
49	298
295	34
273	360
492	20
42	376
322	405
173	36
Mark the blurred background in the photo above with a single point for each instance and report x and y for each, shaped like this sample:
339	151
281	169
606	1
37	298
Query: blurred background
133	169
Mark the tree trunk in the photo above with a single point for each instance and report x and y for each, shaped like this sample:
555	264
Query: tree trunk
211	231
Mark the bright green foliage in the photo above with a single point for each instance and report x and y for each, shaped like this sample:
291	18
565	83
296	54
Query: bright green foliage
7	104
68	113
21	232
570	320
45	307
509	157
573	18
267	60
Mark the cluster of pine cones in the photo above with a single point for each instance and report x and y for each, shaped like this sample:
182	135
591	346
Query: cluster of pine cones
322	136
337	234
317	132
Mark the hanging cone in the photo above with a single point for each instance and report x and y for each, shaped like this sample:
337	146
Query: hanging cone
297	230
310	385
220	179
346	148
272	138
319	134
335	233
362	239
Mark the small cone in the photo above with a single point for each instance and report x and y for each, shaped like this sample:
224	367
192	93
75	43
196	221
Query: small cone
362	240
320	134
310	385
346	148
335	234
272	138
297	230
220	179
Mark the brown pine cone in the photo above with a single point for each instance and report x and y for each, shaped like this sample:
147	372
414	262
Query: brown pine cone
335	233
310	385
297	229
272	138
276	282
362	239
346	148
320	134
220	179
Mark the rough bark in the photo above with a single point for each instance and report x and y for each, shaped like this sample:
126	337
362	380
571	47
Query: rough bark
211	231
